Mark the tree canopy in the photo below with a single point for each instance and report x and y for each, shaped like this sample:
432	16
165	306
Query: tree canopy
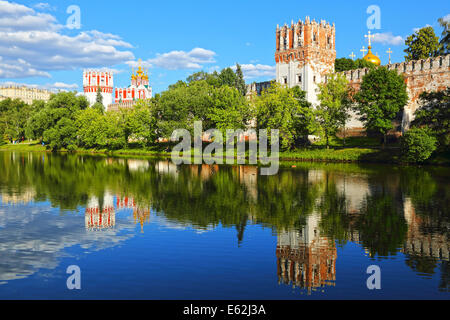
422	44
381	97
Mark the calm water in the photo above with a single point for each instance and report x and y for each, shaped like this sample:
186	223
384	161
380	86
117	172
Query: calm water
146	229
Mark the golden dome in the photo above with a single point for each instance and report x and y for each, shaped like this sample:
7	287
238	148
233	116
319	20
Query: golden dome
372	58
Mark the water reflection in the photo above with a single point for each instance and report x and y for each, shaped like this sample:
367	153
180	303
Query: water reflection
313	210
305	258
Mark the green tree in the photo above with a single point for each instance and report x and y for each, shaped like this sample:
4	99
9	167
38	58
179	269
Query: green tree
434	113
240	82
422	44
59	114
345	64
99	97
445	37
230	110
142	124
62	135
91	128
418	144
332	112
13	118
286	110
99	107
381	97
227	77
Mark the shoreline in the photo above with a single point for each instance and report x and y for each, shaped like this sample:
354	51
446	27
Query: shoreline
332	155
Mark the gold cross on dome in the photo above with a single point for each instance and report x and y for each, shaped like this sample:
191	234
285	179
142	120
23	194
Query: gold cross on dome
369	37
389	52
352	56
363	50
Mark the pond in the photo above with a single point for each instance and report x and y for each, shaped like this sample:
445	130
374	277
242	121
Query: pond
148	229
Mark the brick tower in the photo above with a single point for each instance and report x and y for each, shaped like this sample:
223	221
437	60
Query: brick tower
305	54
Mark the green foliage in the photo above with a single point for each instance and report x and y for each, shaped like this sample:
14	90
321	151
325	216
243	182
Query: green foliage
422	44
445	37
56	121
381	97
418	144
62	135
333	110
142	124
220	107
240	82
12	119
345	64
99	97
230	109
227	77
286	110
434	113
99	107
91	128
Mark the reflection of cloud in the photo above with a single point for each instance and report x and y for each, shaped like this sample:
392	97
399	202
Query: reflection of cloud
32	238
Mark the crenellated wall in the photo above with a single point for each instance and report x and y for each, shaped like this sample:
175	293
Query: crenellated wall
432	74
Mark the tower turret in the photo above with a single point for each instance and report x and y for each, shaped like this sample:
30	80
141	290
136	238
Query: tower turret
305	53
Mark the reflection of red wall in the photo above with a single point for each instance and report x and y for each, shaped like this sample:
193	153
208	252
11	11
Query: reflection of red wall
316	265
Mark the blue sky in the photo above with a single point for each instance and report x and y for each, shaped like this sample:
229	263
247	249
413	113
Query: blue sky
177	38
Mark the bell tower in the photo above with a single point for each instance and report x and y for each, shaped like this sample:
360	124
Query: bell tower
305	54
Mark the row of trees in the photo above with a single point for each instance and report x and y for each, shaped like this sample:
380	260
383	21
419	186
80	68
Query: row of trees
217	100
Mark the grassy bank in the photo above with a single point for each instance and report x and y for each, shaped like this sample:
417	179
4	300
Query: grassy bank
316	154
309	154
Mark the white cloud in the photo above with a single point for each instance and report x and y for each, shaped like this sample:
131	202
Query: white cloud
33	44
44	6
257	70
388	38
180	60
446	18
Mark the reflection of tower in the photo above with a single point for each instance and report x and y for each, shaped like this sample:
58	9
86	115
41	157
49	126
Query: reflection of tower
25	197
99	217
306	259
167	167
248	176
139	214
423	243
137	165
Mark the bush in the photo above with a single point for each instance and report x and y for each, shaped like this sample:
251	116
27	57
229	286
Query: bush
418	144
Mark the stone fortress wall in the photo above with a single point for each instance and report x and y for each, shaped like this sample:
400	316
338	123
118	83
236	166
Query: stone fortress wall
432	74
305	54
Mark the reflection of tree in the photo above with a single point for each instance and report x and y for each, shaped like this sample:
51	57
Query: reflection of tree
421	263
444	284
382	228
205	196
335	222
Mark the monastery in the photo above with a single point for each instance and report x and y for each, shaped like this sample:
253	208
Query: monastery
306	53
